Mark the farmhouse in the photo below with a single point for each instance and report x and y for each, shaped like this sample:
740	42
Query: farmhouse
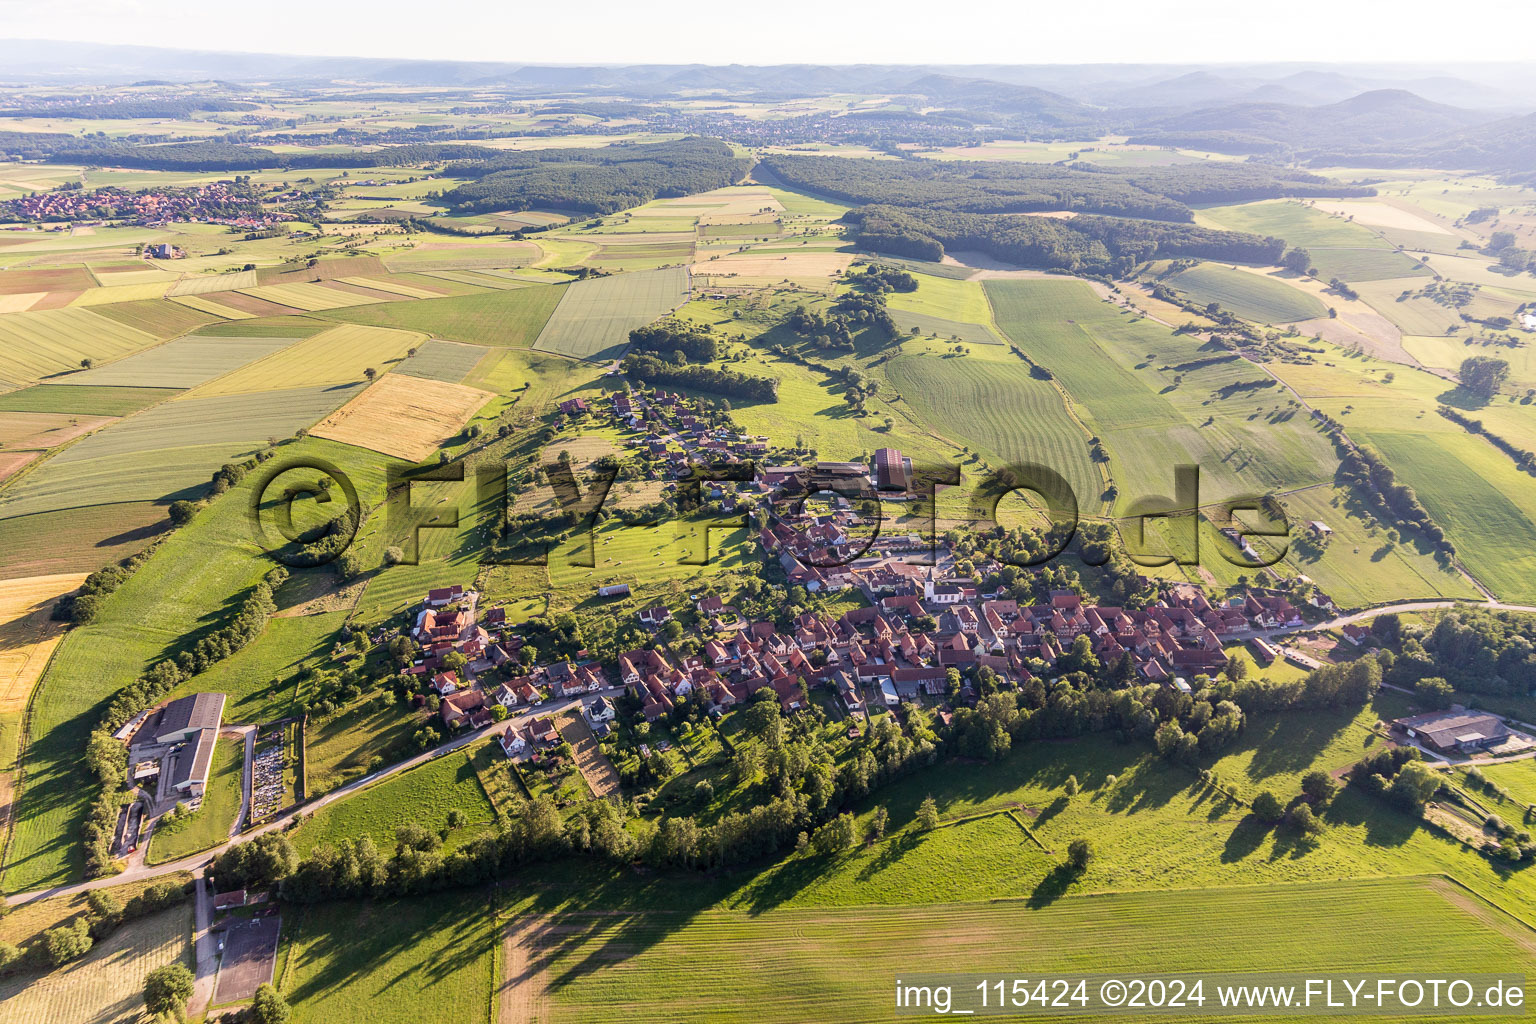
1454	731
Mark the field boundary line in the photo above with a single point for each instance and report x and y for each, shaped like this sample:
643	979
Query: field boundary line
1027	831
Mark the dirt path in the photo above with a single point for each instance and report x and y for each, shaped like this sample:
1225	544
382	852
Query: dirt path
524	994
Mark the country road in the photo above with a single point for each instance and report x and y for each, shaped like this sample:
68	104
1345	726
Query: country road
141	871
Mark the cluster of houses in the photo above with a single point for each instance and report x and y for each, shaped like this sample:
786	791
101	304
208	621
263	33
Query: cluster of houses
676	434
170	748
218	202
918	626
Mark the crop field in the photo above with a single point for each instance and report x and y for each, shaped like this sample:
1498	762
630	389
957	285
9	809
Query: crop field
64	279
76	540
443	360
1120	374
203	304
814	268
106	986
836	963
28	635
407	417
387	283
422	796
12	463
213	283
511	319
594	317
158	317
439	951
65	398
1251	296
209	825
38	345
1000	409
42	430
168	449
307	296
120	293
183	363
463	256
333	359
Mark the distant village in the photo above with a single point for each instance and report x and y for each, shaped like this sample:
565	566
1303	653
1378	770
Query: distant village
220	202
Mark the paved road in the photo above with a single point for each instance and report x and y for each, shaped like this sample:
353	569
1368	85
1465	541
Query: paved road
138	871
207	951
245	781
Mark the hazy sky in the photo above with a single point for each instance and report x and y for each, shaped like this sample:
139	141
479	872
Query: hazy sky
822	31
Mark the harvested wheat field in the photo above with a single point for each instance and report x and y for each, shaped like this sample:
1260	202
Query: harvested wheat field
776	266
407	417
11	462
27	634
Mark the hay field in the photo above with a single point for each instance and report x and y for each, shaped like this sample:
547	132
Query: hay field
944	298
106	986
1120	372
1250	296
82	400
443	360
27	635
510	318
37	345
1000	409
595	316
183	363
407	417
332	358
20	431
1416	315
802	963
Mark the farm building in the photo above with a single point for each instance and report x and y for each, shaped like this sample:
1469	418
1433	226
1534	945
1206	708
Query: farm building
1454	732
182	719
893	471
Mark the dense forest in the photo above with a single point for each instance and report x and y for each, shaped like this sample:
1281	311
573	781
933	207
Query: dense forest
1154	193
1083	244
594	180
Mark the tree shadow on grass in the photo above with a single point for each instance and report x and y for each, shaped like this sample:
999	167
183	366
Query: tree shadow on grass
1053	886
1245	839
891	852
